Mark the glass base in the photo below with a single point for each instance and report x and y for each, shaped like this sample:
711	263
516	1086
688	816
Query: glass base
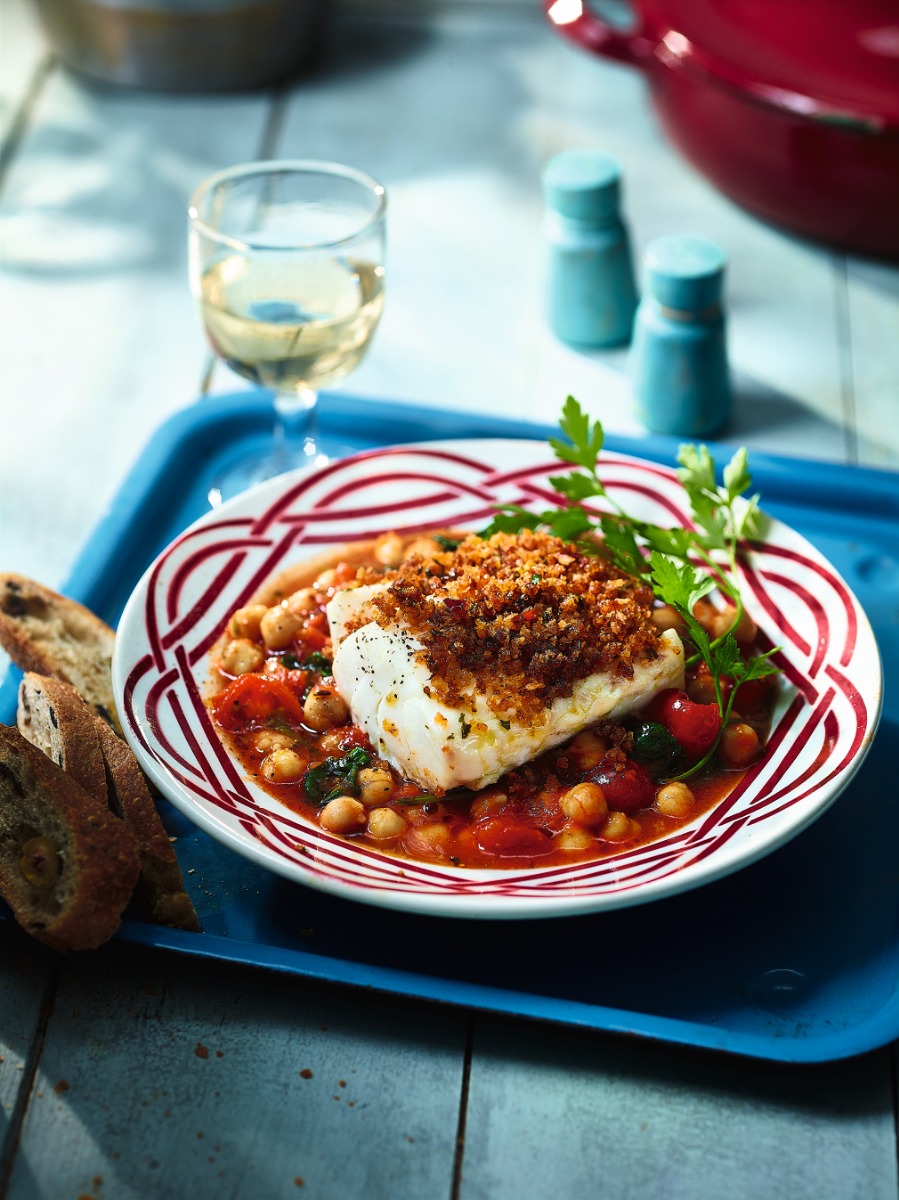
249	470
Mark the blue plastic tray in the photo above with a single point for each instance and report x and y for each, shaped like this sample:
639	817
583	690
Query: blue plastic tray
794	958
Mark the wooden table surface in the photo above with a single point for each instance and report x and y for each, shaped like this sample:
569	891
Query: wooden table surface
133	1073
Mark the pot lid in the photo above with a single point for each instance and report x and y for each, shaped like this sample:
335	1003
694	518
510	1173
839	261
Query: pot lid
835	61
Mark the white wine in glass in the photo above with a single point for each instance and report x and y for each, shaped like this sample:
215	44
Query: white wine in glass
287	263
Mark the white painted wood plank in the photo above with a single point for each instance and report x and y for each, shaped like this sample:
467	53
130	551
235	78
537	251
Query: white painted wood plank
873	318
98	334
187	1079
22	49
419	104
557	1113
26	972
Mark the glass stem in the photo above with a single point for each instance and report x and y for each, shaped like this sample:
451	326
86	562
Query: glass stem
295	426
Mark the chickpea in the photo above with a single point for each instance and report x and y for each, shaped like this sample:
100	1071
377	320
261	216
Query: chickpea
619	827
284	766
327	579
342	814
425	546
588	749
385	824
324	708
245	621
739	744
666	617
267	740
674	800
375	786
585	804
758	723
574	838
304	601
702	690
426	812
706	614
487	803
746	630
330	741
241	656
428	841
279	627
389	549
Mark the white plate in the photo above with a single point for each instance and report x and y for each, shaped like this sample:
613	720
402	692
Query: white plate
822	728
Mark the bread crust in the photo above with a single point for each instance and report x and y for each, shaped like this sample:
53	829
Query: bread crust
53	716
50	634
160	895
97	854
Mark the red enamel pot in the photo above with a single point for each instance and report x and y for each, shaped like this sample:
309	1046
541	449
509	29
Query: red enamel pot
790	108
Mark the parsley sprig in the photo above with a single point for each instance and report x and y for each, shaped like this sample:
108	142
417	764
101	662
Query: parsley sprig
682	565
681	586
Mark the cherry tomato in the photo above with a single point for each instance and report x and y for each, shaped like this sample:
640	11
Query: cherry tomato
312	639
627	789
754	696
511	839
701	689
252	701
352	737
316	620
344	572
694	725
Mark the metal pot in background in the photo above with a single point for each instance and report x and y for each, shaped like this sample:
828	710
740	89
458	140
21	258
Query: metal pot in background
186	45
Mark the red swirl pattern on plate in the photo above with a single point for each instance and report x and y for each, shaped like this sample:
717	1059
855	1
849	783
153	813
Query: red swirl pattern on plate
823	726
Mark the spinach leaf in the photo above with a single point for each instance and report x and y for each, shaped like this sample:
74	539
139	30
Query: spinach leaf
335	776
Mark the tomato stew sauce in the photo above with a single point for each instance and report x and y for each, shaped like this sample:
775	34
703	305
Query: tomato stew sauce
274	702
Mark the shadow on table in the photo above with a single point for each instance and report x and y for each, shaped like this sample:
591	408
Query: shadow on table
762	412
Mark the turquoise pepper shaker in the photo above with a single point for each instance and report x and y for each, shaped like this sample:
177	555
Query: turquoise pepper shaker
591	291
679	357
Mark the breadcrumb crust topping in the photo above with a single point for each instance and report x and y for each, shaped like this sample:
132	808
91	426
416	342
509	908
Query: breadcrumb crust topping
518	618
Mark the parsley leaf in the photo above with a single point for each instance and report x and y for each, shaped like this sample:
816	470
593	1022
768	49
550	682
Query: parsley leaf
723	514
621	546
569	524
725	657
697	472
586	437
577	487
757	667
678	584
683	565
512	518
736	475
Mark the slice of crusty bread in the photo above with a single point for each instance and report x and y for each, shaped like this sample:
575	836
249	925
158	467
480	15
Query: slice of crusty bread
53	717
52	635
68	866
160	895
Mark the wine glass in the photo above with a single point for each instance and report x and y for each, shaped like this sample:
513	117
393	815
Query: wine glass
287	264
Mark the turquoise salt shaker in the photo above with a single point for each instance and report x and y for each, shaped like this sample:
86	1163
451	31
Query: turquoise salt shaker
591	290
679	358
